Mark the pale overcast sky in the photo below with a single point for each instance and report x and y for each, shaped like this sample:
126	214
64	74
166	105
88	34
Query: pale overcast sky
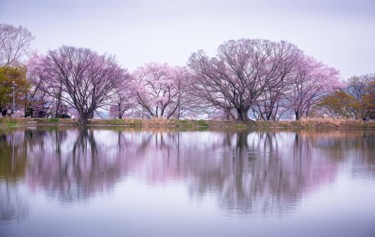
341	33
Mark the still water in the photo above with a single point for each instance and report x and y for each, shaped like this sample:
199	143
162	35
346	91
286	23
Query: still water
124	182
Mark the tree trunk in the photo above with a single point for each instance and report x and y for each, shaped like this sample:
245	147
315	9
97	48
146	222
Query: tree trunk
91	115
84	118
58	103
298	116
119	111
242	115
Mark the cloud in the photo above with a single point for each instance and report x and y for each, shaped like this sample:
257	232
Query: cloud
338	32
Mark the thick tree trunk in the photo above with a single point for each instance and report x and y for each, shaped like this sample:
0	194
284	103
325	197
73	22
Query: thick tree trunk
242	115
4	112
84	118
120	111
298	116
91	115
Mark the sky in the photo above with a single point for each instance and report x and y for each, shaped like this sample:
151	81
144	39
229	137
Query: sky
340	33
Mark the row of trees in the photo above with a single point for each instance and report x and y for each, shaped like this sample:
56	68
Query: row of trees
247	79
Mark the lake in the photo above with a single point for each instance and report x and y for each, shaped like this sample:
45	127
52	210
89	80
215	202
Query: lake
159	182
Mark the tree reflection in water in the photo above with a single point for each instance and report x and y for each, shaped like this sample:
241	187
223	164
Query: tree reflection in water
73	166
255	173
261	173
13	204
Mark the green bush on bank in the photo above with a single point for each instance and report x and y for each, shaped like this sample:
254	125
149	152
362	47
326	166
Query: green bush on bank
8	122
53	120
202	123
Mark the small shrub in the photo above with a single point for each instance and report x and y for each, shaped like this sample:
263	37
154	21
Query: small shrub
184	123
115	121
53	120
11	124
8	122
202	123
241	126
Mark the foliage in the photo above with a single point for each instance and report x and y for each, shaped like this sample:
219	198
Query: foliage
340	104
12	77
356	101
369	100
7	122
53	120
202	123
360	88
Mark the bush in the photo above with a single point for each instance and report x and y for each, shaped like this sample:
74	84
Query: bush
53	120
202	123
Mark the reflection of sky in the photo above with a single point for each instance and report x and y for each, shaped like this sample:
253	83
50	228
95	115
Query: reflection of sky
137	209
197	183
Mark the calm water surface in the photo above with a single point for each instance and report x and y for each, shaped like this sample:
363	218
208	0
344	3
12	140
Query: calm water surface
99	182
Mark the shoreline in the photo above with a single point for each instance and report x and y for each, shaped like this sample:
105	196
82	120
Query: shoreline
309	124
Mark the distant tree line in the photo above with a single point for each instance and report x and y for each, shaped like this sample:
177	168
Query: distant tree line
248	79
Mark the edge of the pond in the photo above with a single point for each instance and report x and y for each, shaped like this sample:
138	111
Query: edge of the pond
310	123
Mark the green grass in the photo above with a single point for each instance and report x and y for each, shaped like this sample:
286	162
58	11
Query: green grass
11	124
116	122
53	120
8	122
202	123
242	126
113	121
183	123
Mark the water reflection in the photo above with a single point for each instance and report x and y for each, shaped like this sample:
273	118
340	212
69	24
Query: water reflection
73	169
263	173
247	172
13	204
355	149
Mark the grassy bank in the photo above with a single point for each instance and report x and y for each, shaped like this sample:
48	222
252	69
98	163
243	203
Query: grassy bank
317	123
313	123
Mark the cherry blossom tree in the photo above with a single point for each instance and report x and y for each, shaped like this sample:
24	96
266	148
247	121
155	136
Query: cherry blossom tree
242	72
124	101
159	90
41	93
311	81
83	79
14	44
185	102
